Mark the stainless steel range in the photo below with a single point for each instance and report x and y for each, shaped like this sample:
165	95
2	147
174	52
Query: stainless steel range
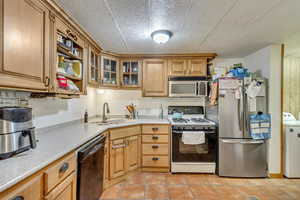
194	140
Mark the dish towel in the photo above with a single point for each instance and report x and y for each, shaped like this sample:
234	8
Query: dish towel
193	137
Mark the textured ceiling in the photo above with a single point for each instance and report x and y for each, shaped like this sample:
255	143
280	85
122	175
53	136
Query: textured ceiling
231	28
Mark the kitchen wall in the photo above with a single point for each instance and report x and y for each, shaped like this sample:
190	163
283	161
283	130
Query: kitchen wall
148	106
291	85
268	62
52	111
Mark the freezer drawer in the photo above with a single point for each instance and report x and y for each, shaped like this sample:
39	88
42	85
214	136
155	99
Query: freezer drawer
242	158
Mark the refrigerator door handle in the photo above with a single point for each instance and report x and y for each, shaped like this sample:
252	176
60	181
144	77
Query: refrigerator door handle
239	115
228	141
231	141
253	142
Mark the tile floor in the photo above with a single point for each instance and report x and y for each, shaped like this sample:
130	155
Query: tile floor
158	186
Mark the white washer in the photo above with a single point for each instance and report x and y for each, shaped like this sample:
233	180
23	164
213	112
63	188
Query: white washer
292	151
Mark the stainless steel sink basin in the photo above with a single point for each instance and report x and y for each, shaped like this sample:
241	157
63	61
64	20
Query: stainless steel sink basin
110	121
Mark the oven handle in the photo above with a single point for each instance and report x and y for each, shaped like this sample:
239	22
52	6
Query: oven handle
206	132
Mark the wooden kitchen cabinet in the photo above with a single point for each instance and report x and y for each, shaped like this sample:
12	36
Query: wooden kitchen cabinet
94	67
177	67
109	71
188	67
24	45
155	81
117	158
133	152
31	188
66	190
130	73
197	67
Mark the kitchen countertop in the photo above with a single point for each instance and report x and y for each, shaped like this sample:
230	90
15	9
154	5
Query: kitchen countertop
54	143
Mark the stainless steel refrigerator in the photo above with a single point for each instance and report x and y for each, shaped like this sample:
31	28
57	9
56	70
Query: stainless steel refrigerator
239	155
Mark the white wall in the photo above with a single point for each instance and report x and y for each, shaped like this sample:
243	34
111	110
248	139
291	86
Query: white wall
226	62
118	99
52	111
268	62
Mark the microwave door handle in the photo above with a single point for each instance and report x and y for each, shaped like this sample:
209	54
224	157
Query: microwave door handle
197	88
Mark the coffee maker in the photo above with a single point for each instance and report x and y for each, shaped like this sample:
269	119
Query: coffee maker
17	133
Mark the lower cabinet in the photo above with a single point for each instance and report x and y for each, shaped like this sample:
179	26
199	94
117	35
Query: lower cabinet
132	153
117	158
31	188
124	150
66	190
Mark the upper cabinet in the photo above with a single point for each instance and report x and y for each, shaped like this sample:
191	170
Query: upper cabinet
177	67
109	71
70	60
131	71
155	81
188	67
24	45
94	67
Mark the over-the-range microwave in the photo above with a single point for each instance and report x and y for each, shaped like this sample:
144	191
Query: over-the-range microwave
187	86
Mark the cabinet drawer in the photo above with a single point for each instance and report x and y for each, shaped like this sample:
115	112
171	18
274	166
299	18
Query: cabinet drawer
155	138
28	189
66	190
155	129
160	149
155	161
59	170
124	132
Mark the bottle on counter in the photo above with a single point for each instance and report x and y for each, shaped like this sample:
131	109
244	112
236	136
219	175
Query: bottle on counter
86	117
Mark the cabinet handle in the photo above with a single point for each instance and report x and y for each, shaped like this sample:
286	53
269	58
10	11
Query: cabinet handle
155	146
118	146
155	158
17	198
47	81
154	137
64	168
154	129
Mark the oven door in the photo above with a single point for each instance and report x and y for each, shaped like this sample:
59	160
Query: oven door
194	153
183	89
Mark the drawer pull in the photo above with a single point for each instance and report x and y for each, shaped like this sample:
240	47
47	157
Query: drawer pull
154	137
155	129
155	158
18	198
64	168
155	146
118	146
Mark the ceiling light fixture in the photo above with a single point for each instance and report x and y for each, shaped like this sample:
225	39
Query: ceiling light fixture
161	36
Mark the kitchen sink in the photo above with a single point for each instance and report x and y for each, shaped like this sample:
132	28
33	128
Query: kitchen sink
110	121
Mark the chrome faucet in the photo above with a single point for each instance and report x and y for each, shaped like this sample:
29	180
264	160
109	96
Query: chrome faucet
104	111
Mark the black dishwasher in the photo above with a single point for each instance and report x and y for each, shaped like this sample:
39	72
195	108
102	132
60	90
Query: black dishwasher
91	170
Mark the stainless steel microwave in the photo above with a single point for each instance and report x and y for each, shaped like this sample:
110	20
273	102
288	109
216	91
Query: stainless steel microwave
187	88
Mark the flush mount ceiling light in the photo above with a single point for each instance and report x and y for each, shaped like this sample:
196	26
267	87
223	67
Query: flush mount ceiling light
161	36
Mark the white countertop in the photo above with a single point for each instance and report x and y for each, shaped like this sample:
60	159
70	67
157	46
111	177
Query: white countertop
54	143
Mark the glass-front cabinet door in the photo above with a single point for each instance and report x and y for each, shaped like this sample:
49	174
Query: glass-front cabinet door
131	73
110	71
94	67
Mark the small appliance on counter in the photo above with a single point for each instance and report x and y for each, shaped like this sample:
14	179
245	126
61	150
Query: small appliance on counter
17	133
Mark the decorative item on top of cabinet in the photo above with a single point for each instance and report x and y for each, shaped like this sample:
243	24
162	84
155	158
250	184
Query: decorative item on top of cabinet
24	51
71	51
109	71
94	67
131	72
155	81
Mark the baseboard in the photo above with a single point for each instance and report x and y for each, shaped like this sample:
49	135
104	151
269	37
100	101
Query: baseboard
279	175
